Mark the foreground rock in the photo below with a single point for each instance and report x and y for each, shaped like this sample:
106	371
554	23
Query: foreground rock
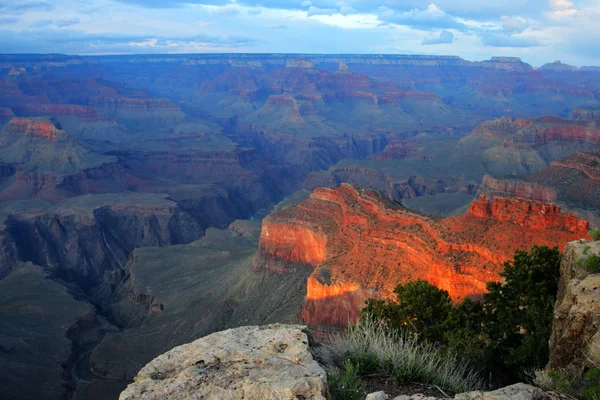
519	391
575	341
270	362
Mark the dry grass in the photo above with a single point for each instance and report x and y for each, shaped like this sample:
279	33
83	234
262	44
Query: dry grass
377	350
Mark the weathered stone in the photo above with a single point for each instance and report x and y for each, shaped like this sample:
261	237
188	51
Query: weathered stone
270	362
519	391
576	328
381	395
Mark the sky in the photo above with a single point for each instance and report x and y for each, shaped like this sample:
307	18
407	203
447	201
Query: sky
538	31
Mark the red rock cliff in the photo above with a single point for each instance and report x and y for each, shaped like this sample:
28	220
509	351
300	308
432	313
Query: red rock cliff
362	246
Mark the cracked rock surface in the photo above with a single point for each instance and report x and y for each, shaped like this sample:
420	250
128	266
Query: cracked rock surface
252	362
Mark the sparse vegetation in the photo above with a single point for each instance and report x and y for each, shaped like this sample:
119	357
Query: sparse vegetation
570	382
590	263
375	349
346	384
595	234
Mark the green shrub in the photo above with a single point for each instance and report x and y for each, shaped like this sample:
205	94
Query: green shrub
401	355
519	311
346	384
561	384
595	234
420	307
504	335
591	394
590	263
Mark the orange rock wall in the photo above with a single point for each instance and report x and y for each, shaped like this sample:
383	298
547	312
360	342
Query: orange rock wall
365	245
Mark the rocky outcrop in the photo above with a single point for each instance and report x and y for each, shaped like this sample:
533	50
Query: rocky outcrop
264	363
491	187
575	341
267	363
558	66
32	127
367	245
572	182
585	114
518	391
529	213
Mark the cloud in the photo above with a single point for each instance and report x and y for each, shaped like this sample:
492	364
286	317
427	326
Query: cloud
8	20
312	10
276	26
501	39
21	7
172	3
446	37
62	23
224	11
563	8
430	18
42	23
512	25
78	42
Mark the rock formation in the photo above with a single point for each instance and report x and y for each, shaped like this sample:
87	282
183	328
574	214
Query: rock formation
585	114
575	341
557	66
362	245
518	391
572	182
264	363
267	363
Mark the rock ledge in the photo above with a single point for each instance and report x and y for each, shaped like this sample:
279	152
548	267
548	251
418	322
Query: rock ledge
268	362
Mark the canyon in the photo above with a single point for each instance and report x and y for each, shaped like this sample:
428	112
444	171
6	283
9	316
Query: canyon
157	199
361	246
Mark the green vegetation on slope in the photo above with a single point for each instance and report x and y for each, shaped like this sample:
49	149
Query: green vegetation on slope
504	335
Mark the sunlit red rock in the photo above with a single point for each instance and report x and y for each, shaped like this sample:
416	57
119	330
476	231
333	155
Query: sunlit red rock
32	127
362	245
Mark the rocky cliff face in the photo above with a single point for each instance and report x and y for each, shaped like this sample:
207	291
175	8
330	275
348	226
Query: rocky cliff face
361	245
575	341
88	239
572	182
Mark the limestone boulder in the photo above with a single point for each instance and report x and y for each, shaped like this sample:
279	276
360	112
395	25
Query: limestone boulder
262	363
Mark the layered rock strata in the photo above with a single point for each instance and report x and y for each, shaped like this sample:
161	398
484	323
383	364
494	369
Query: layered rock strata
362	245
